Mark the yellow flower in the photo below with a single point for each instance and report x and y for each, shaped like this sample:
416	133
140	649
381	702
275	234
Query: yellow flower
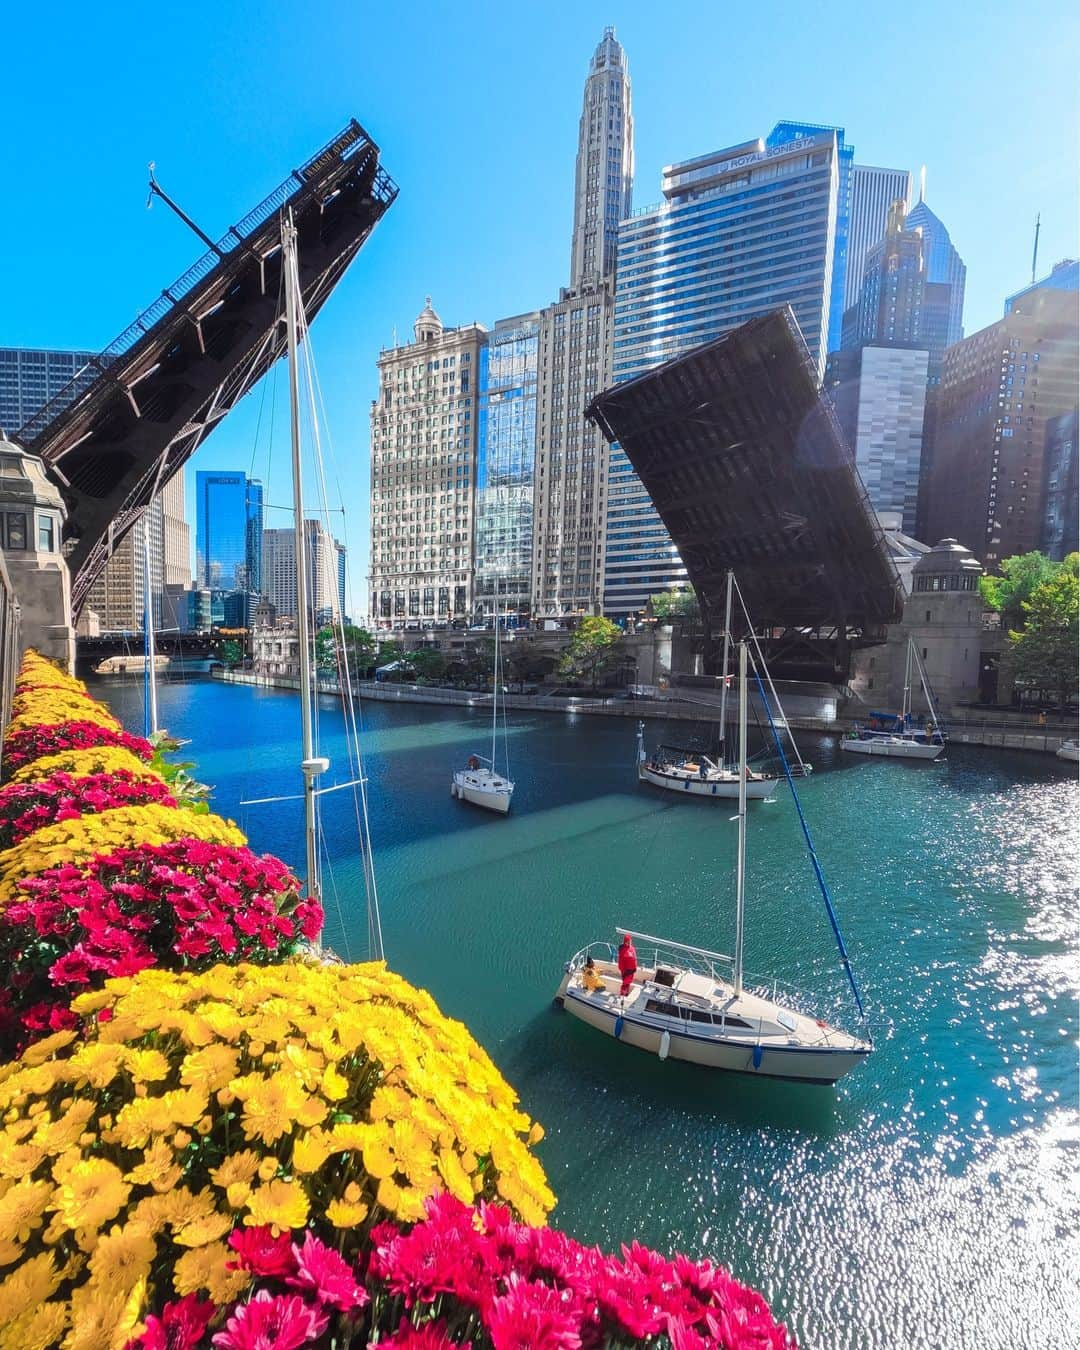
236	1167
311	1150
210	1068
92	1192
98	1064
44	1049
458	1182
147	1066
22	1208
28	1286
282	1204
122	1257
37	1329
18	1160
271	1105
56	1136
207	1229
206	1268
157	1159
349	1210
536	1133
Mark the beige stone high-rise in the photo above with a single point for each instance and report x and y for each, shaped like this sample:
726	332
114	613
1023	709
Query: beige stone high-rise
423	475
118	594
575	352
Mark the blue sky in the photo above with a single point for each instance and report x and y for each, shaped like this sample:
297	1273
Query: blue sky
475	106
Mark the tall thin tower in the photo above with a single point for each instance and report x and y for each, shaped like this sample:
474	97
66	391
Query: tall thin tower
605	163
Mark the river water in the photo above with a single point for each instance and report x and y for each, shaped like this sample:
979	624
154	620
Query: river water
930	1199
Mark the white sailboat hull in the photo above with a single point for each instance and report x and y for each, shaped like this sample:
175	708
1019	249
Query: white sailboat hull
725	786
895	747
822	1064
1069	750
483	788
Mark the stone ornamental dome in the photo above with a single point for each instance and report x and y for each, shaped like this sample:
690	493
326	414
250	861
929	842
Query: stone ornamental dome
428	325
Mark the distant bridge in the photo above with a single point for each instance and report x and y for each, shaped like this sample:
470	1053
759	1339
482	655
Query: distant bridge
167	380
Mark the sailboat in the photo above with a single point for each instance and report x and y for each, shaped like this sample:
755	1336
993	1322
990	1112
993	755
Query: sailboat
690	1003
479	782
900	737
679	769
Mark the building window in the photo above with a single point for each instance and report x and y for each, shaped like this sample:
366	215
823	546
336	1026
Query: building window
927	616
15	530
46	536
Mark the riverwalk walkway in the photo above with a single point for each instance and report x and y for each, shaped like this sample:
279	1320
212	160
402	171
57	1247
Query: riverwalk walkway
966	726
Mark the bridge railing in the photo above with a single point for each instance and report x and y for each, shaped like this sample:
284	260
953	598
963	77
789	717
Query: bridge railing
344	146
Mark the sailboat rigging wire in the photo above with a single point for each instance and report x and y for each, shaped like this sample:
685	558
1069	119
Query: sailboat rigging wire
845	960
328	870
752	637
349	702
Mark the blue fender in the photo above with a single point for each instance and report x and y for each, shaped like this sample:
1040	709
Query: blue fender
618	1026
757	1056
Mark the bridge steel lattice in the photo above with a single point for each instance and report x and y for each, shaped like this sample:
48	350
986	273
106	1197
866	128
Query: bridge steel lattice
170	377
749	470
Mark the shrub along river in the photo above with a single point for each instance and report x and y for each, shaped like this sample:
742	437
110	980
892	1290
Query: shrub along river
930	1199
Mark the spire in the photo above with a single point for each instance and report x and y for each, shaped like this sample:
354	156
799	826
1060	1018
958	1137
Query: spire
922	184
605	163
428	325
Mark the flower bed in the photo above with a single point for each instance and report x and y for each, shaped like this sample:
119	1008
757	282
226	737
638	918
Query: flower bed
189	904
216	1146
26	807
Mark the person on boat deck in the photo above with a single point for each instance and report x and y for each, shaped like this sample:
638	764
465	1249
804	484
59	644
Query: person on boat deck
472	762
627	961
590	976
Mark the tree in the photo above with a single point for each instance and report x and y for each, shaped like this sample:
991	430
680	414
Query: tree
594	648
229	651
675	605
390	651
428	662
358	644
523	663
1020	577
1044	655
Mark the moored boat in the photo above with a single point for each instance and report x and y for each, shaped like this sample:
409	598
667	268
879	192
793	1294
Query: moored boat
901	737
1069	750
688	1003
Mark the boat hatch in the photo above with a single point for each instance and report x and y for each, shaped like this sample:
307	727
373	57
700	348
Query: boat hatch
697	986
786	1021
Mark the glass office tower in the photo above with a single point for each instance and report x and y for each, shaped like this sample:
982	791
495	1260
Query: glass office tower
228	531
29	378
739	233
505	466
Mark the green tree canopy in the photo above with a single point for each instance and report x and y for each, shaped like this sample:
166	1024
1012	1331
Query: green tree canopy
428	663
358	643
594	649
1020	577
1044	654
675	605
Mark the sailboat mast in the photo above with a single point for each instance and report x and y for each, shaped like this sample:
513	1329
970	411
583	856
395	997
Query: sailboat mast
150	671
309	767
907	684
727	649
740	865
495	684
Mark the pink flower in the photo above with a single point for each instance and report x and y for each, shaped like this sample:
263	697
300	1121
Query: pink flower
71	968
259	1251
272	1322
322	1272
180	1327
431	1336
530	1315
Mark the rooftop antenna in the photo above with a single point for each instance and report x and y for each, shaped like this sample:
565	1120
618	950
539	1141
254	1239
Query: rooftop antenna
156	190
1035	250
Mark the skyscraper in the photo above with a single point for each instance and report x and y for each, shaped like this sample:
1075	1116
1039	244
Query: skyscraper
423	475
943	264
873	192
604	177
574	351
1060	532
1000	388
228	531
739	233
29	378
325	572
505	465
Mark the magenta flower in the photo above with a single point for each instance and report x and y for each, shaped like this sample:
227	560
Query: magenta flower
530	1314
431	1336
181	1326
322	1272
262	1252
272	1322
